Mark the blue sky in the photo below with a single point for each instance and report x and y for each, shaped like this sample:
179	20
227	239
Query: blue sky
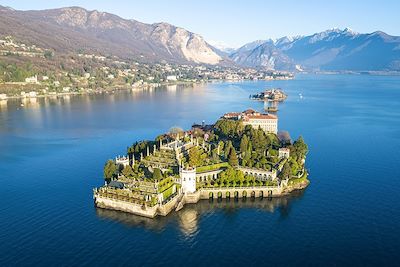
237	22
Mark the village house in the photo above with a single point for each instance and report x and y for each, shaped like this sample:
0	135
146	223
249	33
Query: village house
32	94
32	79
171	78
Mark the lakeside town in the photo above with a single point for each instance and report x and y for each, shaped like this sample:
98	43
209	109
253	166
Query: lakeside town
242	155
28	71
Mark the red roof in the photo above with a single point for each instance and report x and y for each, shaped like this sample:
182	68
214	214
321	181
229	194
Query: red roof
231	114
262	116
249	111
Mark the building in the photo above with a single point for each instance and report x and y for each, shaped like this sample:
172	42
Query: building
32	94
171	78
284	152
188	180
32	79
232	115
3	96
124	161
267	122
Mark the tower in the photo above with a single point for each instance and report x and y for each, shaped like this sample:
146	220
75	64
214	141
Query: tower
188	179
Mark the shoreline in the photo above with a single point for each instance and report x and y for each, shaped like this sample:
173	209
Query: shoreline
104	90
125	88
180	200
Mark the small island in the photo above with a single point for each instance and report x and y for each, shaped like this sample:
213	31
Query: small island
275	94
242	155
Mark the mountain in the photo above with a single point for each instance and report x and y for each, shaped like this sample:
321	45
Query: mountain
250	46
331	50
264	55
222	47
77	29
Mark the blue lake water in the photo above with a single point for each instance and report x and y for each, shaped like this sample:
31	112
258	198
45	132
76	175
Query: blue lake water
52	152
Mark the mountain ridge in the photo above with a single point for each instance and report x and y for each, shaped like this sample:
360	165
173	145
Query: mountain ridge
76	28
330	50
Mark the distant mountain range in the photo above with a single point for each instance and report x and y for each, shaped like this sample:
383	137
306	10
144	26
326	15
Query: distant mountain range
331	50
74	29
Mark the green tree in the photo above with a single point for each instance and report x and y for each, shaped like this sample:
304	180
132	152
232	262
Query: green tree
300	146
195	158
229	128
157	174
299	150
128	172
244	143
227	149
286	171
233	160
110	169
239	177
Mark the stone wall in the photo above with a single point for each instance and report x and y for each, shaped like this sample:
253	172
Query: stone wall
193	198
241	192
120	205
166	208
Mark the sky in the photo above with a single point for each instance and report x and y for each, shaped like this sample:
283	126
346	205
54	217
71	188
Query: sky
237	22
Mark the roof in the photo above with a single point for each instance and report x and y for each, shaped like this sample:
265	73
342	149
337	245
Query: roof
116	184
231	114
249	111
262	117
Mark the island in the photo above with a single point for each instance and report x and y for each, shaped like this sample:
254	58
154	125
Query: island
242	155
275	94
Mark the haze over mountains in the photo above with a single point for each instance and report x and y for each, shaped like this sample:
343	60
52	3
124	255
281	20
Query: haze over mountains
331	50
74	29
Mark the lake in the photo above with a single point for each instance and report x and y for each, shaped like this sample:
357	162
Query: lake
52	152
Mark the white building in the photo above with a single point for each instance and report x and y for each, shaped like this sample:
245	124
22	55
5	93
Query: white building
3	96
188	180
124	161
267	122
284	152
32	94
171	78
32	79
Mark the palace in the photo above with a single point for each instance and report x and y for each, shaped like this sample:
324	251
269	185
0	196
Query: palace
267	122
